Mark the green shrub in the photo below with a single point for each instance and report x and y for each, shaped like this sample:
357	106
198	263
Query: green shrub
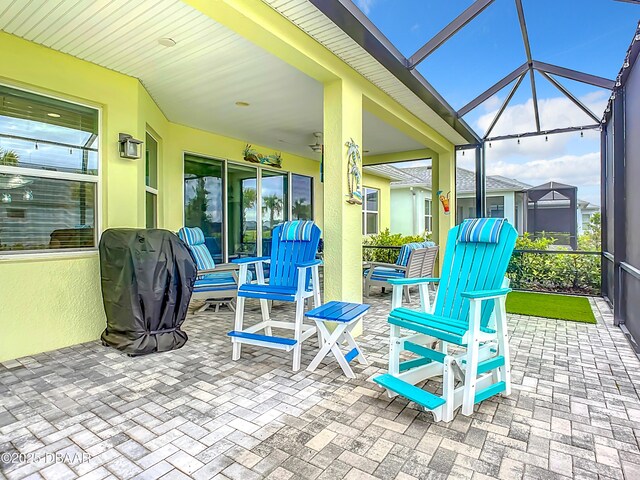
387	239
554	272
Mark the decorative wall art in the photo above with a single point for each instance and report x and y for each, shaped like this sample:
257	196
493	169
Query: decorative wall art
354	177
251	155
444	200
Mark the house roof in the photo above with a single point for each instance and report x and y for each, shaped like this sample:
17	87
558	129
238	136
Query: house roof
390	172
465	180
552	186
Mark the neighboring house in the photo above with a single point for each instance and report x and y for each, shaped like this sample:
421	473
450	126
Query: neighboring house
411	198
412	208
586	210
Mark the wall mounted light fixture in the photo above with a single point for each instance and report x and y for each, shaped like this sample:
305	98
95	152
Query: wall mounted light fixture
129	146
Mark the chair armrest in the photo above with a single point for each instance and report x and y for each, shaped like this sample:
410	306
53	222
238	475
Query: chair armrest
412	281
206	270
225	267
386	265
250	260
485	294
310	263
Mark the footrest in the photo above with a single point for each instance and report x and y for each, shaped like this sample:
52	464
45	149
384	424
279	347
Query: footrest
281	343
413	393
490	364
490	391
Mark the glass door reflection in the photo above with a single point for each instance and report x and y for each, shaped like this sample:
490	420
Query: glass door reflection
274	204
203	200
242	211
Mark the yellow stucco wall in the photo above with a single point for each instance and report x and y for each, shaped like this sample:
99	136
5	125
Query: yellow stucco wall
53	300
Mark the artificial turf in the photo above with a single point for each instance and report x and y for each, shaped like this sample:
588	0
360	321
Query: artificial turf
561	307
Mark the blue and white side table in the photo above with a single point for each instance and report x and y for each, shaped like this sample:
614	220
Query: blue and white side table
345	315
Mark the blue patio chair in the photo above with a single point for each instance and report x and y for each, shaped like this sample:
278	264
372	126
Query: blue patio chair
416	259
293	278
468	314
216	284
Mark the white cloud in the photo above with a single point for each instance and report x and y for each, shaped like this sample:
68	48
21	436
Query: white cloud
492	104
555	112
582	171
365	5
579	170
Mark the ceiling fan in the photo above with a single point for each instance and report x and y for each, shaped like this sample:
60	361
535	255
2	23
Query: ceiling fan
317	147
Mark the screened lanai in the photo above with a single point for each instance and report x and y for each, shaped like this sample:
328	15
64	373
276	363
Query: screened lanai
530	85
520	75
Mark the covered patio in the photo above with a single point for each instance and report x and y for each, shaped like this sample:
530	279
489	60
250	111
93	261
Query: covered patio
246	114
192	413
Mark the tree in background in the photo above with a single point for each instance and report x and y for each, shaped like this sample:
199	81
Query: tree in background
301	210
195	212
274	204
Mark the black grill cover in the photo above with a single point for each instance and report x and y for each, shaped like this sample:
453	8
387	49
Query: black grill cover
147	280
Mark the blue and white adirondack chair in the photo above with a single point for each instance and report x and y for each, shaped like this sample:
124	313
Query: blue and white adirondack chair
293	277
216	284
468	314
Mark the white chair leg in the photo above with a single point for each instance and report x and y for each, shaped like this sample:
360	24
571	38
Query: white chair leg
470	378
448	387
503	343
238	327
315	283
264	310
473	344
395	344
297	350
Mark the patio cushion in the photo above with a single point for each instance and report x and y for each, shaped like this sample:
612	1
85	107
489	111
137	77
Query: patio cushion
407	248
191	235
194	238
203	257
481	230
217	281
297	230
384	273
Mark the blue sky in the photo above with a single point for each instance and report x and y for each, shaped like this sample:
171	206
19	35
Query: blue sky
587	35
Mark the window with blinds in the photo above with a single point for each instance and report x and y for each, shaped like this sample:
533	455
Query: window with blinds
48	173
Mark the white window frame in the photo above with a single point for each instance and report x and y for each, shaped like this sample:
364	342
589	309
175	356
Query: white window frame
147	188
313	194
53	174
428	215
365	211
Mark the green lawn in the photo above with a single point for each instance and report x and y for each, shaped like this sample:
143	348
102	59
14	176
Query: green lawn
561	307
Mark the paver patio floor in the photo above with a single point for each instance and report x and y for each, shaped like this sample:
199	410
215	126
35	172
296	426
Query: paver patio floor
574	411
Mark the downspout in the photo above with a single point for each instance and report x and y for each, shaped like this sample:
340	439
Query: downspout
414	226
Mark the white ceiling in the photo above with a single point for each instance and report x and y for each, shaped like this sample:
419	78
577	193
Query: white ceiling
198	81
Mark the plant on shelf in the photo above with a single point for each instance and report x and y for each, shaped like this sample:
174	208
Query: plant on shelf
251	155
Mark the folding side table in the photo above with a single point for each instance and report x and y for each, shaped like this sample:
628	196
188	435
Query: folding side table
345	315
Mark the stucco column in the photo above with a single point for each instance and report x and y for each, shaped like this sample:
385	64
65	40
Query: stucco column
443	181
342	221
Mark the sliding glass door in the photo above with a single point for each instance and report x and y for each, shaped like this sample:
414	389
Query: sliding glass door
204	202
242	210
237	206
